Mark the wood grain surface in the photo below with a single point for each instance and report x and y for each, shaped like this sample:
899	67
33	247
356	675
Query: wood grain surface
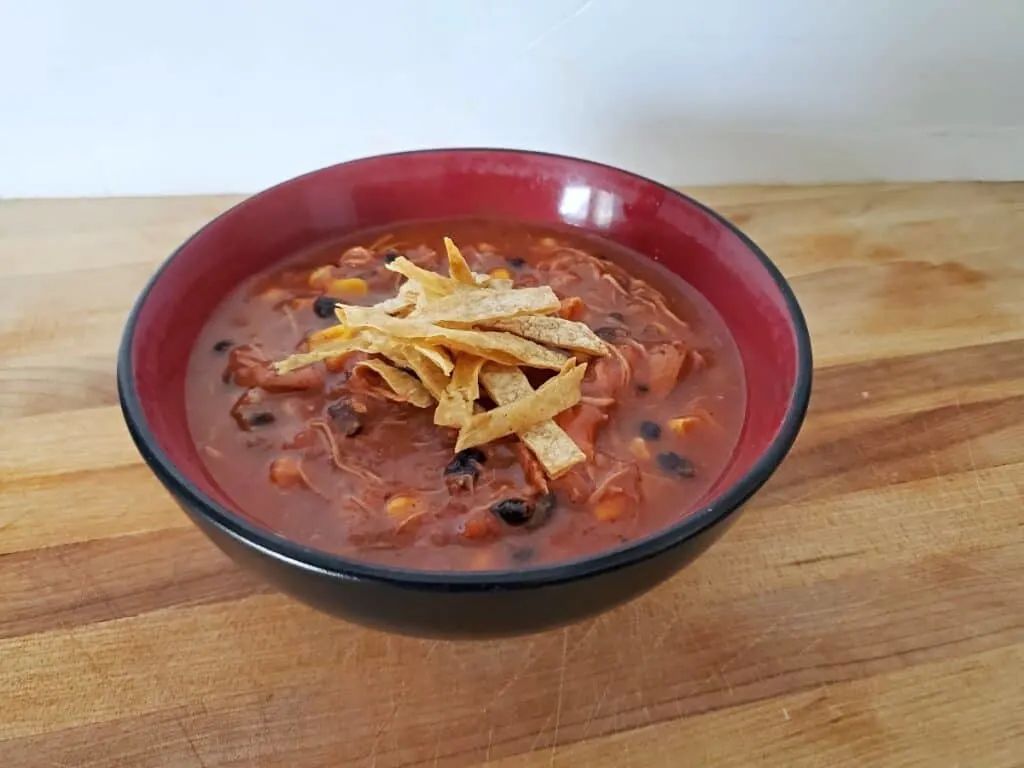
868	609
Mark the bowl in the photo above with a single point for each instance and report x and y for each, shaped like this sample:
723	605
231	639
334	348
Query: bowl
686	237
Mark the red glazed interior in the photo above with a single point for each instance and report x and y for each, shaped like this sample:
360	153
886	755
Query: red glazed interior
542	189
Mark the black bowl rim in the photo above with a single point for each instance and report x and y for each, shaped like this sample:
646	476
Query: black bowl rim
325	563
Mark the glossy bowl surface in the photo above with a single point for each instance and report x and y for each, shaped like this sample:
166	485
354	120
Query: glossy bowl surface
686	237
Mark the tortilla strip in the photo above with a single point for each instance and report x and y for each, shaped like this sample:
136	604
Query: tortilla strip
409	293
455	405
458	268
403	387
550	399
554	449
437	355
430	282
556	331
496	346
487	306
364	340
433	378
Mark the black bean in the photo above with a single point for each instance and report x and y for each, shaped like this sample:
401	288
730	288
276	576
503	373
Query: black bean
223	346
462	472
262	418
465	460
514	512
390	255
345	419
324	306
649	430
611	333
523	554
543	508
472	454
617	316
642	389
515	262
677	465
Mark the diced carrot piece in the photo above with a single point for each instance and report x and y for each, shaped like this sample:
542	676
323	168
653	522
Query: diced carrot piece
335	364
482	560
571	308
478	529
286	472
610	508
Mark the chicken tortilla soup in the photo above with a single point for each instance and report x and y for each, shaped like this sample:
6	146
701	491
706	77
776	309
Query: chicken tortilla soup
465	395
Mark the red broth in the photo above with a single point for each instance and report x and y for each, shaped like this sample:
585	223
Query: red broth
311	457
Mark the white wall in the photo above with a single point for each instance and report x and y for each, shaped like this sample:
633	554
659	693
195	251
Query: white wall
105	97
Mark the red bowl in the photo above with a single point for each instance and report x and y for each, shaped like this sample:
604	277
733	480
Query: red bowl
689	239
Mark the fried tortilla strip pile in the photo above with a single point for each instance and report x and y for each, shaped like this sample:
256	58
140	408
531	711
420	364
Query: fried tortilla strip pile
442	337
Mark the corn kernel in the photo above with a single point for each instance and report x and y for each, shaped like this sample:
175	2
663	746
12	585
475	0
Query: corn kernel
331	333
611	508
321	276
501	273
638	447
348	286
402	507
683	425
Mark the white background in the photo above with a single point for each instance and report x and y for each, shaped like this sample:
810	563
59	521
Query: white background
126	97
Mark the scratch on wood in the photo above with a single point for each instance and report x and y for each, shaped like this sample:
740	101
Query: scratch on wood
826	558
810	646
89	658
530	658
579	643
597	708
191	744
384	728
437	743
490	744
561	694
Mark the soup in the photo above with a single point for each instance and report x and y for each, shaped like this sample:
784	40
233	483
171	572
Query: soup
534	397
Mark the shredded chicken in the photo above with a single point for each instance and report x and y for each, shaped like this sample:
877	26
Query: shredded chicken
582	423
532	469
606	376
625	480
249	367
324	429
577	484
571	308
664	364
358	258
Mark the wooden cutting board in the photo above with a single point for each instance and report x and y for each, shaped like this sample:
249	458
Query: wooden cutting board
868	608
